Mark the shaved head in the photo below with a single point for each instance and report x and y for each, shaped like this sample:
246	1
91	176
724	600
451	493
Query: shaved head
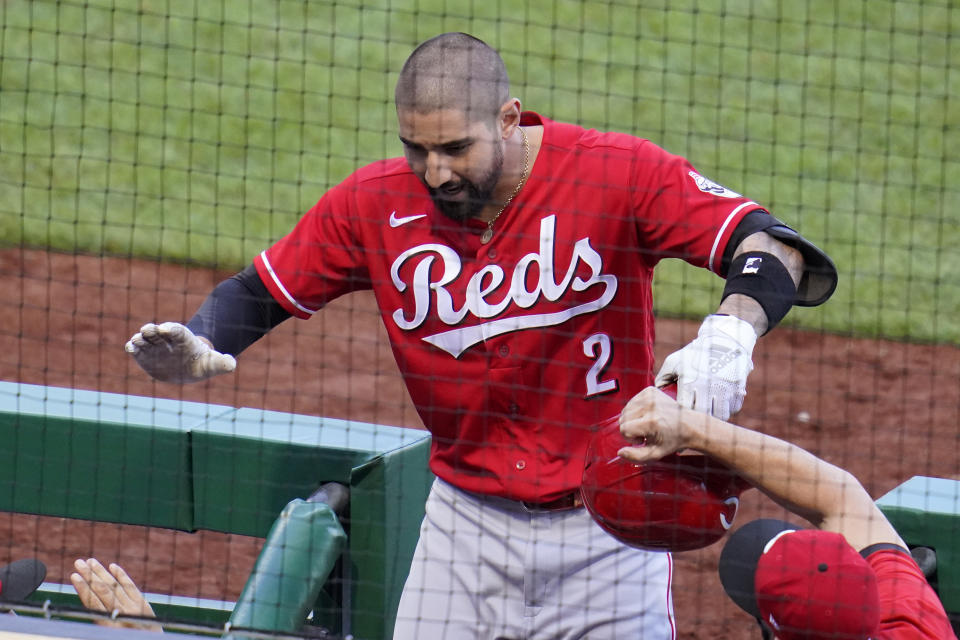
454	71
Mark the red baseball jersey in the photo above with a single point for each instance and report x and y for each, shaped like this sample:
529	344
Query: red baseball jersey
513	351
909	607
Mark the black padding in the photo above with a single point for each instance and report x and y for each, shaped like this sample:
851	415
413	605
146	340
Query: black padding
237	313
819	279
761	276
755	221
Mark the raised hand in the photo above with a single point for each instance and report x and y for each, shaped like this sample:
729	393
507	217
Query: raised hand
111	591
170	352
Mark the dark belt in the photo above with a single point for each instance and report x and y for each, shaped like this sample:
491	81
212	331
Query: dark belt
565	502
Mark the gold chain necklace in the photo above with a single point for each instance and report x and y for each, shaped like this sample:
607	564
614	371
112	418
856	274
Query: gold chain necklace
487	234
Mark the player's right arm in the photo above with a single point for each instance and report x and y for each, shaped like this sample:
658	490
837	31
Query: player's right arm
829	497
237	312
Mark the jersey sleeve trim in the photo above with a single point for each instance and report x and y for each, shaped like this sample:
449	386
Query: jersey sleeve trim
715	259
276	286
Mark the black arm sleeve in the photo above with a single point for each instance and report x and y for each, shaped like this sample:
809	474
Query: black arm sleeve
237	313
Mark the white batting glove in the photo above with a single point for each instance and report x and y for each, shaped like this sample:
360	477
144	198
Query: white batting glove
170	352
711	372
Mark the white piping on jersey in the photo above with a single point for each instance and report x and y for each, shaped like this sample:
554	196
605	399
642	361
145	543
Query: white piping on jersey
283	289
723	227
670	613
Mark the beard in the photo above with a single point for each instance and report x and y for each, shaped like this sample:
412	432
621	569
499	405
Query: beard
478	194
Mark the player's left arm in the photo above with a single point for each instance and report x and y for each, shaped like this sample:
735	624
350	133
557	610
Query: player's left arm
763	306
769	268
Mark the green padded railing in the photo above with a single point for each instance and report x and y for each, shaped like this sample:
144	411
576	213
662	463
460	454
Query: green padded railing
926	513
188	466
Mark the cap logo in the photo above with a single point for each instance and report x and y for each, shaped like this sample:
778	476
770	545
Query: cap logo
774	539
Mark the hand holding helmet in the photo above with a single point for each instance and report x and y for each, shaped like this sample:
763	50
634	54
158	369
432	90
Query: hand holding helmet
656	500
651	425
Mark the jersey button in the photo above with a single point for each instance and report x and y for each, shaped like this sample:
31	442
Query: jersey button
514	409
492	254
503	350
521	465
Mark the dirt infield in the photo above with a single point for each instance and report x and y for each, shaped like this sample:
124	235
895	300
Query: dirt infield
885	410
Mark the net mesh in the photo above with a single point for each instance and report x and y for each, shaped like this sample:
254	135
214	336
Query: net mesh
150	150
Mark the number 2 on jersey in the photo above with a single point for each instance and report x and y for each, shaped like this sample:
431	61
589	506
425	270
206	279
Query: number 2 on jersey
598	348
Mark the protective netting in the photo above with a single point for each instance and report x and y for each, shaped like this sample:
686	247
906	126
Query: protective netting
150	150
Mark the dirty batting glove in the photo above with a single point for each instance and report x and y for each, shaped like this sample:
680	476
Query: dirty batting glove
711	372
170	352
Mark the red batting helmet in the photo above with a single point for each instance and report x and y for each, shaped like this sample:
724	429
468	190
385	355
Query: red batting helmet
677	503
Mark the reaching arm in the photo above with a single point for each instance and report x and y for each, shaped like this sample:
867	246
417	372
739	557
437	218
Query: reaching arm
829	497
769	268
711	372
237	312
111	591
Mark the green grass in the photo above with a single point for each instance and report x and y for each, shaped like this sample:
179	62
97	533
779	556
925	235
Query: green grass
200	130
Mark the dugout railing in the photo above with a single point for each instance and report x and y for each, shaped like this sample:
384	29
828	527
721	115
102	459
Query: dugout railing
190	466
926	513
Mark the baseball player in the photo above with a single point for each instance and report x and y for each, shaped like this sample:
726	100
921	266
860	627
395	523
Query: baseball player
511	257
852	577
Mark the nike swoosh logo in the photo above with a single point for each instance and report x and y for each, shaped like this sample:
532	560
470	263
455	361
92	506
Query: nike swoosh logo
396	221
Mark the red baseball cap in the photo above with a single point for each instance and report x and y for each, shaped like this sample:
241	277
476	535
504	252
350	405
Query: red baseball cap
806	584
